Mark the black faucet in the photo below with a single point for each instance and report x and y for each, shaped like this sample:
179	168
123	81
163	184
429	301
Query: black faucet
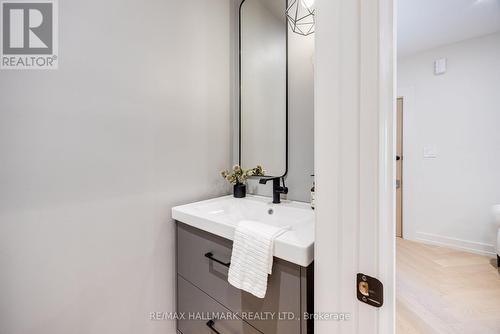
277	189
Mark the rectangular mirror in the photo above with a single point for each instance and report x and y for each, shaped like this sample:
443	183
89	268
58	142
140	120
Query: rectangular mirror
264	86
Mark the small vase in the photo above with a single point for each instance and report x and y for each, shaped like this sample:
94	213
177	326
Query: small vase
239	190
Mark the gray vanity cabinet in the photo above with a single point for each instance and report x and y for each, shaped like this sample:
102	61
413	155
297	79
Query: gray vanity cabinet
196	302
202	288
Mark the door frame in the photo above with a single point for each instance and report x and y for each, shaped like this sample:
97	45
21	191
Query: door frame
407	93
355	104
401	154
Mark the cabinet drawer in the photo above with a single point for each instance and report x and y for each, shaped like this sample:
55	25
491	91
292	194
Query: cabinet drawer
198	309
284	285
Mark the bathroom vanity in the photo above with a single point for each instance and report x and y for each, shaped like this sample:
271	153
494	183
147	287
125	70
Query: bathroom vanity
204	296
206	301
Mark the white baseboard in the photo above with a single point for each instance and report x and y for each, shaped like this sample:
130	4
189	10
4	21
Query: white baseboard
464	245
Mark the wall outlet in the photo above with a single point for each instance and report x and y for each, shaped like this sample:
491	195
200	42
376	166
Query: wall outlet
430	152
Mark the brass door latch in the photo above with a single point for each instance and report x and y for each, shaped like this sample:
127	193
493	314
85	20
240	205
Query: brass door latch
370	290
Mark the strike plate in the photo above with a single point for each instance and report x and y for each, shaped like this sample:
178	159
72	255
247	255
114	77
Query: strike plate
370	290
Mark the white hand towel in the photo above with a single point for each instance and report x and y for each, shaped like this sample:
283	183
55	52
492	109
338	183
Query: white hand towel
252	257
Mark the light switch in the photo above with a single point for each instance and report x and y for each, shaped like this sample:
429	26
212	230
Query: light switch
430	152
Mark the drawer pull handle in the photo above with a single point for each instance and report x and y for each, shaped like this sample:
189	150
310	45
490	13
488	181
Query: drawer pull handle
210	255
210	325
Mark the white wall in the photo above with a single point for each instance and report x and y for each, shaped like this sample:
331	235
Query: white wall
448	199
95	154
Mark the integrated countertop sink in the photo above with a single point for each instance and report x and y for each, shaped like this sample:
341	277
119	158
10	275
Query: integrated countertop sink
220	216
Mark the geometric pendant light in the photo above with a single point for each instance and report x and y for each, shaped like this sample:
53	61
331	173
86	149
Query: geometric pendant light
300	14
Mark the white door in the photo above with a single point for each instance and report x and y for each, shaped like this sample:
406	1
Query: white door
354	161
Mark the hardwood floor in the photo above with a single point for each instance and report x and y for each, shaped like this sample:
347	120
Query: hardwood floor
440	290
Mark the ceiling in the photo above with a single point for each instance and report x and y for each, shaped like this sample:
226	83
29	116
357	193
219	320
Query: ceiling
425	24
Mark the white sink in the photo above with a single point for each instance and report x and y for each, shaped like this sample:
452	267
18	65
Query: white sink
220	216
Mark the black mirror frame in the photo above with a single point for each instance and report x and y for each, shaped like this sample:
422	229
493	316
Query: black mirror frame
239	90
